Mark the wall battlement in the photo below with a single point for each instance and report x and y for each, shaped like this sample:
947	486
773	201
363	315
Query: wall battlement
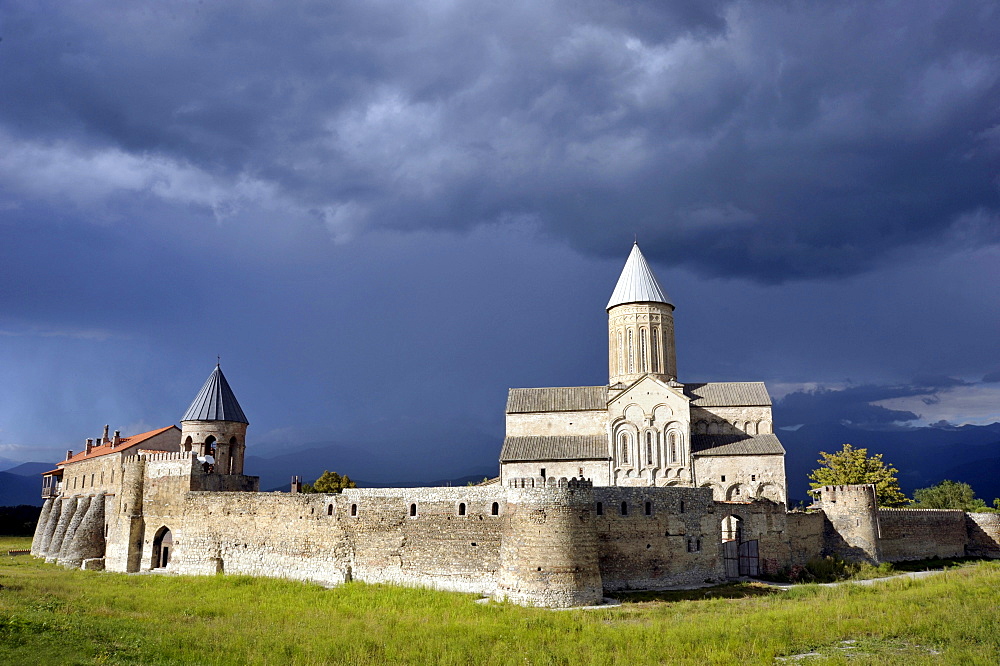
551	482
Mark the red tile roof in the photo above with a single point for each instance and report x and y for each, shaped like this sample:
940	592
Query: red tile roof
123	443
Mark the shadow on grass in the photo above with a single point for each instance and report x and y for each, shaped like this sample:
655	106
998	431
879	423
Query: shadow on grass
937	563
724	591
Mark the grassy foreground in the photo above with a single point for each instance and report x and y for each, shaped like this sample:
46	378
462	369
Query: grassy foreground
49	615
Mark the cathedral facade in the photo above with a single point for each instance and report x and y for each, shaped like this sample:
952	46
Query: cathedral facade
646	428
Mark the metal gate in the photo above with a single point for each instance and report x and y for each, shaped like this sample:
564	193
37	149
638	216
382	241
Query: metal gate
741	559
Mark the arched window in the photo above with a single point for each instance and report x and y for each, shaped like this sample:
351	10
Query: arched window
631	354
649	447
354	509
187	444
624	448
210	443
673	446
624	508
329	510
461	508
656	351
495	509
600	508
642	350
621	355
413	510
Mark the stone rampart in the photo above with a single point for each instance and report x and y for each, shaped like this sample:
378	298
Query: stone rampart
851	530
983	534
805	536
548	549
654	538
917	534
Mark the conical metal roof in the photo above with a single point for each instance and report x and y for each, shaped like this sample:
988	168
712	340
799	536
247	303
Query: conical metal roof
215	402
637	283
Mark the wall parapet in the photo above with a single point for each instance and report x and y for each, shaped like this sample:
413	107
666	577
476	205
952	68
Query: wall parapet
551	482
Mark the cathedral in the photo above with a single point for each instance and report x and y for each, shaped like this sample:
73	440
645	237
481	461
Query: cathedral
646	428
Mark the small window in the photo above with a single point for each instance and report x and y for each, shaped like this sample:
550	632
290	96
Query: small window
753	477
461	508
542	473
354	509
413	510
723	478
91	480
649	508
495	509
682	506
329	510
600	508
112	476
624	508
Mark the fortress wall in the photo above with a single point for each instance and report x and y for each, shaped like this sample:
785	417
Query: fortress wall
983	531
437	547
593	422
916	534
639	551
764	521
314	536
805	536
548	552
256	534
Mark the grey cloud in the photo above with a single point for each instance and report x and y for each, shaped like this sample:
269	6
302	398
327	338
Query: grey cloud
855	404
772	141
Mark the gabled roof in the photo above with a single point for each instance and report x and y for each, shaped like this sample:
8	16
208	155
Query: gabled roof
728	394
560	447
637	284
215	402
736	445
557	399
123	443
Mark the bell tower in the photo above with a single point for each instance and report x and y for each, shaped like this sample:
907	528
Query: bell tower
640	325
215	422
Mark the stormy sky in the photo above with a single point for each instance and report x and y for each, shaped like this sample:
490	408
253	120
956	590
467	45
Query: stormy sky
383	214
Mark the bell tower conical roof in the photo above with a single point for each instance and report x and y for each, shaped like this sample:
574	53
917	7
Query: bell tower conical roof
215	402
637	284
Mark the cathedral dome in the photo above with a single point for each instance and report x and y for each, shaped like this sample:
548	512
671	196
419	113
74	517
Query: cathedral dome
637	284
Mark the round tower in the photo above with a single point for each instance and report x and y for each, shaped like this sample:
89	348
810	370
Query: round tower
215	425
640	325
548	547
852	511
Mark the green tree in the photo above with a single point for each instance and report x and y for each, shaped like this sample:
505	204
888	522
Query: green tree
851	466
329	482
948	495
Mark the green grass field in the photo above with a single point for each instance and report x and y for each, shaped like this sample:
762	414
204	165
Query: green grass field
49	615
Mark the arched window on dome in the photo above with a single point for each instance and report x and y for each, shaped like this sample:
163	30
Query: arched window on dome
642	350
655	348
621	355
631	354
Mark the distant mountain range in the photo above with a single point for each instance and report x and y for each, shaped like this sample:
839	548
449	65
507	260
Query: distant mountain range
924	456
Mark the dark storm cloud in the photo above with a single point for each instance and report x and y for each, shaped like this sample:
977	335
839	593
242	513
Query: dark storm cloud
992	377
771	140
855	405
